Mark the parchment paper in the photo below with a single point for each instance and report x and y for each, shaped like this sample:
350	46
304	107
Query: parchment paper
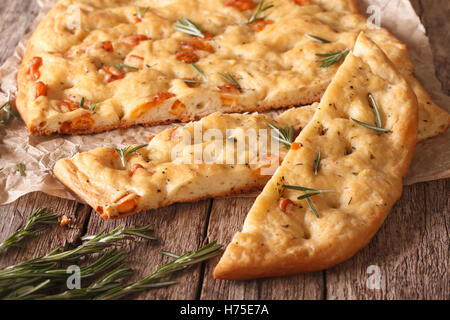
38	154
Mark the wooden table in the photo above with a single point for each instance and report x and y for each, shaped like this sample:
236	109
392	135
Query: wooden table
411	249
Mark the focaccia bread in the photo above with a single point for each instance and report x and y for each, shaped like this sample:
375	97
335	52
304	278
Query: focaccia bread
360	173
96	65
168	170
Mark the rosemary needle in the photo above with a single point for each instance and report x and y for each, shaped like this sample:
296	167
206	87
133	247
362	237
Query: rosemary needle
313	208
21	169
316	38
370	126
120	67
95	106
200	71
317	162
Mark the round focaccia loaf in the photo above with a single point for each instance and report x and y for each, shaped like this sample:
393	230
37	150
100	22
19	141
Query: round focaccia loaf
96	65
362	167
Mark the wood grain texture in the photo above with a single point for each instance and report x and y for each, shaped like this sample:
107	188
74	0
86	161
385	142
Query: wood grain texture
435	17
14	215
411	249
16	21
227	217
179	228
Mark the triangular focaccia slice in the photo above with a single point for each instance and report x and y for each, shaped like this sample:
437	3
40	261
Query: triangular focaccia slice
91	67
164	172
362	166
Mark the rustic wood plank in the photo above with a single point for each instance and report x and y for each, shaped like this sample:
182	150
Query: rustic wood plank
179	228
227	217
16	21
14	215
410	250
434	16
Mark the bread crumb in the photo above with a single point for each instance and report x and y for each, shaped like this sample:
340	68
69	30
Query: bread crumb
64	220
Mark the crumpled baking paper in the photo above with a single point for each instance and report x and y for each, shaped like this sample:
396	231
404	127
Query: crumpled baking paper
39	154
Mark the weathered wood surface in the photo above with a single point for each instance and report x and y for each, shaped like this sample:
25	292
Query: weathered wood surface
410	250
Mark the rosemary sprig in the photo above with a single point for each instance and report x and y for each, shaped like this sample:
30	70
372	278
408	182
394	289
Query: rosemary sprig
154	279
126	151
376	110
109	281
317	162
308	192
121	66
93	107
91	244
260	9
34	271
230	79
9	113
141	12
316	38
34	278
329	59
284	135
36	220
187	26
21	169
27	287
119	234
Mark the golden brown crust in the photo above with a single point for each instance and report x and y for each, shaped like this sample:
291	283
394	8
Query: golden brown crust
73	179
367	181
354	6
125	125
68	174
432	119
